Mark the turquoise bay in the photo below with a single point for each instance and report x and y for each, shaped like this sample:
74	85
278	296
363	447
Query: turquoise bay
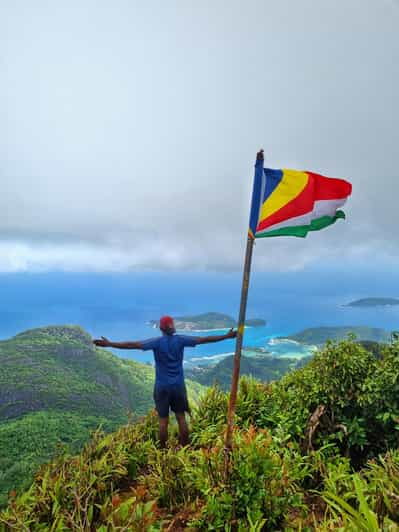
120	306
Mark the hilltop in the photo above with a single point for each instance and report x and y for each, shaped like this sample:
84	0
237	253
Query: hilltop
317	450
55	388
209	321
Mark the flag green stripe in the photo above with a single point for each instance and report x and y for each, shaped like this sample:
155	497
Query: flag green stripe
302	230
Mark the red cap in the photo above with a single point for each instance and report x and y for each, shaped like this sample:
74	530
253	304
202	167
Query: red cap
166	322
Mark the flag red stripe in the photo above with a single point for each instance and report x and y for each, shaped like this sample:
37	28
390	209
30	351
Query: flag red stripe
330	187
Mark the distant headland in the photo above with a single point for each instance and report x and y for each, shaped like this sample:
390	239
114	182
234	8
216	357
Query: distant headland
319	335
209	321
374	302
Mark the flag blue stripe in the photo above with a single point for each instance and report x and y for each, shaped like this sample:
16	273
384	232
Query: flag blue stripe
256	196
273	179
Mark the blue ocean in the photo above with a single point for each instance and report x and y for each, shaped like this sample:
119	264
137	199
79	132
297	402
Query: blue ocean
119	306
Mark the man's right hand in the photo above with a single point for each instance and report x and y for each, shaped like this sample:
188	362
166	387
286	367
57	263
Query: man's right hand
231	334
103	342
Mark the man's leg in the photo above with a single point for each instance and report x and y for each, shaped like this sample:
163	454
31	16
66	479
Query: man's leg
163	431
184	438
161	398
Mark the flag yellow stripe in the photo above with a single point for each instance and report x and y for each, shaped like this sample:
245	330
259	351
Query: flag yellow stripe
290	186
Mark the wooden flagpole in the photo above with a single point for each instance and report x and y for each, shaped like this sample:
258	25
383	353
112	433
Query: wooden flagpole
240	332
239	340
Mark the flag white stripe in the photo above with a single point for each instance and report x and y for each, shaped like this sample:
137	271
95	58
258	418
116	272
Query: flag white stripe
320	208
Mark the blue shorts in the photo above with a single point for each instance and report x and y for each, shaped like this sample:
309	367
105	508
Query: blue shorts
171	397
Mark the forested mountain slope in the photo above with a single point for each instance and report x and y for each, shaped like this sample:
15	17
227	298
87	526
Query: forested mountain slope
55	388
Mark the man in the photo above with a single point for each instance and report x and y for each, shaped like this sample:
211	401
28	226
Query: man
169	390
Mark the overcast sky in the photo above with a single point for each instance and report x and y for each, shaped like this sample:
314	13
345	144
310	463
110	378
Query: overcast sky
128	129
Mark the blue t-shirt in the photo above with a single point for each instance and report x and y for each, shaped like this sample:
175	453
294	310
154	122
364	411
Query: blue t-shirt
168	354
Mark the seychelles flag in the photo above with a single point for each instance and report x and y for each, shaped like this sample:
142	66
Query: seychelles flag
294	202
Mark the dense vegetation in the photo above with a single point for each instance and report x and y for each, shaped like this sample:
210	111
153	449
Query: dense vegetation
29	441
55	388
263	367
317	450
320	335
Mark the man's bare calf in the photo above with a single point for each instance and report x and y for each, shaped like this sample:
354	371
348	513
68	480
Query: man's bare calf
163	431
184	438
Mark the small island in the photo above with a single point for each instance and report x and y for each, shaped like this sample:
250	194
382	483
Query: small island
374	302
209	321
255	322
319	335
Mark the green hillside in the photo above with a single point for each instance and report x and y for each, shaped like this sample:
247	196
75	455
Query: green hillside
263	367
316	450
55	388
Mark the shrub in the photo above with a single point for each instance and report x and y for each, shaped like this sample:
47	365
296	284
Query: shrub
73	490
209	418
263	482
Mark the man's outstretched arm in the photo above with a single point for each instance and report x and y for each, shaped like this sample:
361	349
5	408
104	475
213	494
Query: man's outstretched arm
218	338
104	342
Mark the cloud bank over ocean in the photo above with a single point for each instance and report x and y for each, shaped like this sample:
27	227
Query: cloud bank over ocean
128	141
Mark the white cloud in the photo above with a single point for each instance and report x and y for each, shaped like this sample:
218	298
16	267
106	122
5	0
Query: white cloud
127	139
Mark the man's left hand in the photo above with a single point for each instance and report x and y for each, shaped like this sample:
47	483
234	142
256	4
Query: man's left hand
103	342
